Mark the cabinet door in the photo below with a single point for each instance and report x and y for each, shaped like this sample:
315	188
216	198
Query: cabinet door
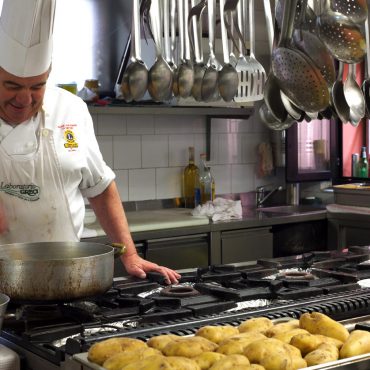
246	245
179	252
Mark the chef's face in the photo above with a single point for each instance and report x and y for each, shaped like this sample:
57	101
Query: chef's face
20	97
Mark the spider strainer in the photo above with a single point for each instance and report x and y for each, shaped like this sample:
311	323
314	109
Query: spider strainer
298	77
344	39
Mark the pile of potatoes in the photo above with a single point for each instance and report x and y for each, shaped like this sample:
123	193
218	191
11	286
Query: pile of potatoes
256	344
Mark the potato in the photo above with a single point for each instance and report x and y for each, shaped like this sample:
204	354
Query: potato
270	353
230	362
253	367
149	363
286	336
357	343
101	351
306	342
182	363
338	343
237	343
260	324
297	361
282	327
206	359
189	347
117	361
160	341
217	334
318	323
324	353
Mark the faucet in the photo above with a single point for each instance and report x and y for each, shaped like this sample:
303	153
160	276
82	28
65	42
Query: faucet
261	197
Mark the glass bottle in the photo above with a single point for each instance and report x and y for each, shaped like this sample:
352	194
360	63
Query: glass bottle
191	191
363	166
206	181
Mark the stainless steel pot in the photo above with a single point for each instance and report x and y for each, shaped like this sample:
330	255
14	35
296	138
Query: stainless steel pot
55	271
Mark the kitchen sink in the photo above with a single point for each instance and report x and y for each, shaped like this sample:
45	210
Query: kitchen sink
289	209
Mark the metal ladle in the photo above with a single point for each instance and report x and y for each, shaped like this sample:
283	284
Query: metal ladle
185	72
337	97
228	76
366	84
160	74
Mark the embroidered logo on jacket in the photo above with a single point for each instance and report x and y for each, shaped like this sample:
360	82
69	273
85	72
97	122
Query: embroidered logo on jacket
70	139
29	192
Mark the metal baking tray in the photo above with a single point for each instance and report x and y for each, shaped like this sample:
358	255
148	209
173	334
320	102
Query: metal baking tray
357	194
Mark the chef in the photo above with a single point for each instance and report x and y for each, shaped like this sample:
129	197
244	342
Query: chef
49	156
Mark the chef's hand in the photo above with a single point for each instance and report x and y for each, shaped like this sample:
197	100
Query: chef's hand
3	220
137	266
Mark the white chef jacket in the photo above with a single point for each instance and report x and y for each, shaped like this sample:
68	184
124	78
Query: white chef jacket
83	170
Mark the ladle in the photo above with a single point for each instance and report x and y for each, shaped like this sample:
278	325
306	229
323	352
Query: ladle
160	74
168	32
209	90
354	96
135	78
343	38
228	77
337	97
196	43
185	73
298	77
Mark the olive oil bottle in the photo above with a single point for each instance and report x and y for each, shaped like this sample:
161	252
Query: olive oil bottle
191	190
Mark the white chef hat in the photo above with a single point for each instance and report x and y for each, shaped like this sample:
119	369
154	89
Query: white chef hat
26	36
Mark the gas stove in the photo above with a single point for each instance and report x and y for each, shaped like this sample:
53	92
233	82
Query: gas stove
48	334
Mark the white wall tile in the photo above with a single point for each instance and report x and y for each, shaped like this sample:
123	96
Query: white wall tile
229	149
140	125
142	184
122	183
127	152
154	151
178	149
222	176
179	124
106	148
242	178
111	124
169	182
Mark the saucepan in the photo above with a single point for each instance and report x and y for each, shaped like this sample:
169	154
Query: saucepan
56	271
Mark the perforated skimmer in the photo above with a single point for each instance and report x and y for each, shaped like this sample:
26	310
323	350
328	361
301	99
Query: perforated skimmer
298	77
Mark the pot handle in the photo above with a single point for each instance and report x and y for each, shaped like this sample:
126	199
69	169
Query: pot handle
119	249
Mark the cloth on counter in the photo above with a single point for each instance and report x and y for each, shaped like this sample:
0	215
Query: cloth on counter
220	209
339	208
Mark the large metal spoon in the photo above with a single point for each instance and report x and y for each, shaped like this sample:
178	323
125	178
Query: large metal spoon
228	76
135	78
194	20
354	97
337	97
366	84
185	72
209	88
160	74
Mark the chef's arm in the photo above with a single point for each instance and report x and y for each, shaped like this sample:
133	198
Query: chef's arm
111	215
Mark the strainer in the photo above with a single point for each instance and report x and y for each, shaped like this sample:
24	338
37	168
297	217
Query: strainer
298	77
343	38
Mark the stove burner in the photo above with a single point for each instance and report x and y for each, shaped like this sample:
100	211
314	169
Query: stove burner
36	312
297	275
179	291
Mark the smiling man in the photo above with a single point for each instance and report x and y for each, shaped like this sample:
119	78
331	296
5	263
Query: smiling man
49	156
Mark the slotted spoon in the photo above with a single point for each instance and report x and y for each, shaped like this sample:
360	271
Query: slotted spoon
298	77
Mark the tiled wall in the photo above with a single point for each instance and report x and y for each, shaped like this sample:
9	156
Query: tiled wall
148	153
